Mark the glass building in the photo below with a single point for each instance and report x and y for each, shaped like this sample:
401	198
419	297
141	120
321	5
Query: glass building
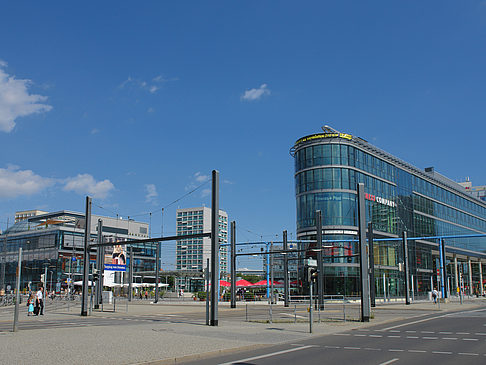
55	241
399	197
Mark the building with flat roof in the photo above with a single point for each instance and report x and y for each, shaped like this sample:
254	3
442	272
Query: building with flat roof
24	214
399	197
476	191
192	254
56	240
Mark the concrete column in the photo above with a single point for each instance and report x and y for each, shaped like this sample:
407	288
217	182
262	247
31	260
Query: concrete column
456	276
480	278
470	276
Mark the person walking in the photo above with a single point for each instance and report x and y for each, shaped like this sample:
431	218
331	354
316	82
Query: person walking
435	294
39	303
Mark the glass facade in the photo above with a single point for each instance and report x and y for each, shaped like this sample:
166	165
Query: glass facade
399	197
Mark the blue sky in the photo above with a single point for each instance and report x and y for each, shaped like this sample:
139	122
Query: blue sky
135	103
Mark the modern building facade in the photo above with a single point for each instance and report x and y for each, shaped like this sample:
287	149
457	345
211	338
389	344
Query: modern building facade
399	197
56	240
192	254
476	191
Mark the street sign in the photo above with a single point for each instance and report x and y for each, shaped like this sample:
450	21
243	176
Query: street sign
311	262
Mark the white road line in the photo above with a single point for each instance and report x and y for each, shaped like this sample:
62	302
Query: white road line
416	351
412	336
449	338
411	331
480	334
462	333
351	348
430	319
442	352
342	334
332	347
394	331
395	350
470	339
375	336
371	349
445	333
430	338
268	355
293	316
426	332
389	361
467	354
394	336
360	335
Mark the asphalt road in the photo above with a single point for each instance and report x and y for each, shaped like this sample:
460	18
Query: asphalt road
453	338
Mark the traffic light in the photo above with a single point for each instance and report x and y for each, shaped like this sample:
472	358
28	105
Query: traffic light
96	274
312	274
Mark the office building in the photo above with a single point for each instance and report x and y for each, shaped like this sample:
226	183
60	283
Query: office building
56	240
192	254
399	197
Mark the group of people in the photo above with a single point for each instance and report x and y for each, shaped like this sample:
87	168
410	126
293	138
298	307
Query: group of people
35	303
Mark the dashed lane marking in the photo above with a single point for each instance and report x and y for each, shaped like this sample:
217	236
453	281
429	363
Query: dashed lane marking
389	361
449	338
442	352
467	354
430	338
268	355
395	350
418	351
470	339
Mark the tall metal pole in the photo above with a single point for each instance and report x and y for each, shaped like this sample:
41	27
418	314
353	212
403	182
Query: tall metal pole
320	260
207	292
311	284
214	248
405	268
233	263
17	291
99	263
130	276
372	265
363	263
157	269
268	271
481	289
87	231
4	261
469	269
272	294
286	270
443	268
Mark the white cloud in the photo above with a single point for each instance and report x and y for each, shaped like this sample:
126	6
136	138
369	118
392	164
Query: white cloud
95	131
150	86
151	193
15	182
15	100
205	193
86	184
153	89
201	178
255	94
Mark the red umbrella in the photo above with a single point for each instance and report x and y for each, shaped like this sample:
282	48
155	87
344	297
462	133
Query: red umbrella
264	283
243	282
223	283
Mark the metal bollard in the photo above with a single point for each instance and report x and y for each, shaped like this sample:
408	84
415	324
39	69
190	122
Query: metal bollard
295	313
246	312
271	314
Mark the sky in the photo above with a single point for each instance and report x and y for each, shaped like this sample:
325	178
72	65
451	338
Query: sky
135	103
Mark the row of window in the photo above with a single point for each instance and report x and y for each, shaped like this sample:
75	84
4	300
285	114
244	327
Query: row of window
441	211
340	178
342	154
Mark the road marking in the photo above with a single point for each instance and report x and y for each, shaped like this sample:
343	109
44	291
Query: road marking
416	351
480	334
450	338
351	348
412	336
430	338
442	352
430	319
268	355
395	350
470	339
445	333
394	336
467	354
332	347
462	333
394	331
360	335
426	332
342	334
293	316
389	361
371	349
410	331
375	336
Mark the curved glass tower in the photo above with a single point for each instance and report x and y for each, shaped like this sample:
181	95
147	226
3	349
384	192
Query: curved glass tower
399	197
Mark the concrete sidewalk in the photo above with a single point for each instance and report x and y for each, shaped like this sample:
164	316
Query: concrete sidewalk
165	332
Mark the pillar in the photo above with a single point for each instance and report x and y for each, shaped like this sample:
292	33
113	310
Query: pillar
480	278
469	267
456	277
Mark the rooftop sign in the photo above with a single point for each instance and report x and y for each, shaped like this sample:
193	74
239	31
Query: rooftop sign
324	135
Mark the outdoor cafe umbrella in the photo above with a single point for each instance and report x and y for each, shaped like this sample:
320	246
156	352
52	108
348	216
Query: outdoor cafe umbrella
243	283
269	283
223	283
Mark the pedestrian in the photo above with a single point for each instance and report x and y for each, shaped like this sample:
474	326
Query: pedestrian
39	303
435	294
30	305
146	294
